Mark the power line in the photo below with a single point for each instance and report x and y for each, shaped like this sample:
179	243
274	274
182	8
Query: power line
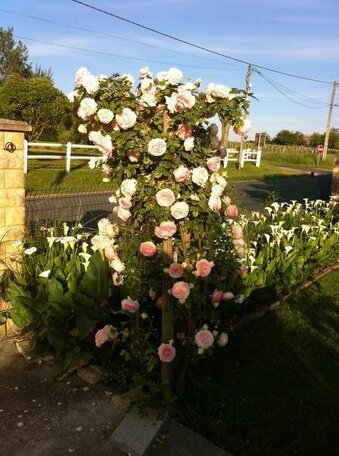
95	32
75	48
180	40
292	92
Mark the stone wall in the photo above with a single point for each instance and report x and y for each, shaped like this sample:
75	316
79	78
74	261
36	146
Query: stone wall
12	191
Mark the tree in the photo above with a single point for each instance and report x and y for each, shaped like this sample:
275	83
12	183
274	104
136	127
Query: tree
13	56
287	137
36	101
319	138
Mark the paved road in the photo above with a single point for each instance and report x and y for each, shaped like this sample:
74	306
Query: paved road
252	195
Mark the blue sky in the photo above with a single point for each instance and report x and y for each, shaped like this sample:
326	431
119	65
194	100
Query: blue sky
294	36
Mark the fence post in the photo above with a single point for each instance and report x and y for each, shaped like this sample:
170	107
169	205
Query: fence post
68	156
12	194
257	163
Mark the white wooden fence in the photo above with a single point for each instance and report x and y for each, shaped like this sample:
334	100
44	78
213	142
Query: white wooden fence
248	155
56	151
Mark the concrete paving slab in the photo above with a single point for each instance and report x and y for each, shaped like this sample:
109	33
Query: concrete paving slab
136	433
177	440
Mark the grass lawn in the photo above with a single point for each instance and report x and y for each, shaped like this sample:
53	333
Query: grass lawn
50	176
274	390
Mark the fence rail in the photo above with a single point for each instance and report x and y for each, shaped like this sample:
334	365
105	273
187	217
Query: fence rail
55	151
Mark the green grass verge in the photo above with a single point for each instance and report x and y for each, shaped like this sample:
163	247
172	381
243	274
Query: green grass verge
50	176
274	389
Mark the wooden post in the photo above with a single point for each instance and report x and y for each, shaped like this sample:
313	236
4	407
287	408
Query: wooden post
167	312
224	133
335	179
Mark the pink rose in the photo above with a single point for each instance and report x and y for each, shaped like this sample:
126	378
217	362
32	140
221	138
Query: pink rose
165	197
232	211
166	353
166	230
217	296
179	101
122	213
203	267
100	337
103	143
181	290
213	164
107	333
183	132
175	270
180	210
204	339
125	203
181	174
148	249
130	305
87	108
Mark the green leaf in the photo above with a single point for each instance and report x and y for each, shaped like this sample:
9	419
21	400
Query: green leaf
55	291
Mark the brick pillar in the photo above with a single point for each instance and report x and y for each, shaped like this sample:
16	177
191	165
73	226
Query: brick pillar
12	189
335	178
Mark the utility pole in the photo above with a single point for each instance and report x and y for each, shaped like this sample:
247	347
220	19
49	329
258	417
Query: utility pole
249	72
329	120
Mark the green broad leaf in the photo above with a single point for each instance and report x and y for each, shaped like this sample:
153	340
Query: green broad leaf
96	279
84	324
55	291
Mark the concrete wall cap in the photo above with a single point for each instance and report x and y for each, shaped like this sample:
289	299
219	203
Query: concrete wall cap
14	125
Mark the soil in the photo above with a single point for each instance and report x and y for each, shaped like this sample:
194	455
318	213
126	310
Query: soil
41	416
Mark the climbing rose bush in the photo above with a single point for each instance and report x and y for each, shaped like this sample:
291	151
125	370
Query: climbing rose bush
168	204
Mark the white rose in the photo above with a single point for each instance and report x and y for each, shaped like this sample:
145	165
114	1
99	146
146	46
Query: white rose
117	265
126	119
146	84
103	143
91	83
145	72
180	210
102	77
87	108
105	116
73	95
162	76
127	77
200	176
223	339
79	75
165	197
217	189
82	128
174	76
214	202
92	163
157	147
148	99
128	187
214	91
189	143
189	86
